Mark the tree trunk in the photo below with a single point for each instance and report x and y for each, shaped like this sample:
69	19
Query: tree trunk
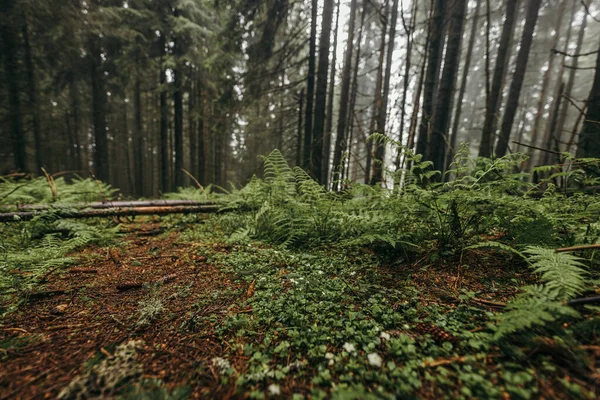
560	123
541	104
11	70
443	108
517	82
495	98
382	116
201	174
138	140
299	128
436	42
80	151
99	111
165	154
553	141
340	140
33	98
463	85
310	88
316	166
330	97
178	125
589	138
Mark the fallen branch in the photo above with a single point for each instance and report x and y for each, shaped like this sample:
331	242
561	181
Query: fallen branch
115	204
110	212
577	248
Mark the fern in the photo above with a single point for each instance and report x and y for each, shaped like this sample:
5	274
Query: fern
563	273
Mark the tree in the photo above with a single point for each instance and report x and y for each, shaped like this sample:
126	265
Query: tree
497	84
443	108
316	164
589	138
434	53
341	141
310	87
512	102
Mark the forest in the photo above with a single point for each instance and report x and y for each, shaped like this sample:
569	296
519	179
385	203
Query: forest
304	199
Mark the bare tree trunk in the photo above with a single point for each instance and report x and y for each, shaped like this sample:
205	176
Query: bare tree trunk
11	70
165	154
382	117
329	114
316	164
340	141
299	128
517	82
310	87
443	108
33	97
495	97
546	79
589	139
436	42
560	124
99	111
463	85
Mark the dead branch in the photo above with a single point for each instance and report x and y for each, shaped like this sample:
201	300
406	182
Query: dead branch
110	212
577	248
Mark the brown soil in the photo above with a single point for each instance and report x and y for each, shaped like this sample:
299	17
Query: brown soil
56	334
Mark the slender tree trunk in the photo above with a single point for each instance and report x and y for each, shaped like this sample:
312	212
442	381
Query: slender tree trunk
340	140
560	124
407	65
310	88
382	116
99	111
463	85
589	138
201	174
138	140
299	129
12	80
330	97
316	166
517	82
80	151
541	104
33	97
553	141
165	154
178	128
192	118
443	108
436	42
495	98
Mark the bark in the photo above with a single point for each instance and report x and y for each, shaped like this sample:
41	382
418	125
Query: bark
79	151
101	162
12	81
407	65
589	138
443	108
164	121
560	124
517	81
201	172
340	141
546	79
497	85
316	166
178	126
330	97
111	212
382	117
463	85
32	93
436	42
553	141
299	128
310	88
138	139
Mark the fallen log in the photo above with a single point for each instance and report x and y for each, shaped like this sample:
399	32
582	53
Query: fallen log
109	212
112	204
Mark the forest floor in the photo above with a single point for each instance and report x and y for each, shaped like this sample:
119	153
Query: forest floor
182	299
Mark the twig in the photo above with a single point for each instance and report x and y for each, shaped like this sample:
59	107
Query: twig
577	248
537	148
555	51
192	178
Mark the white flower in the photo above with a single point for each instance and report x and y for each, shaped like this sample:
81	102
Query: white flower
375	359
384	335
292	280
349	347
221	363
274	389
352	273
320	272
329	356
